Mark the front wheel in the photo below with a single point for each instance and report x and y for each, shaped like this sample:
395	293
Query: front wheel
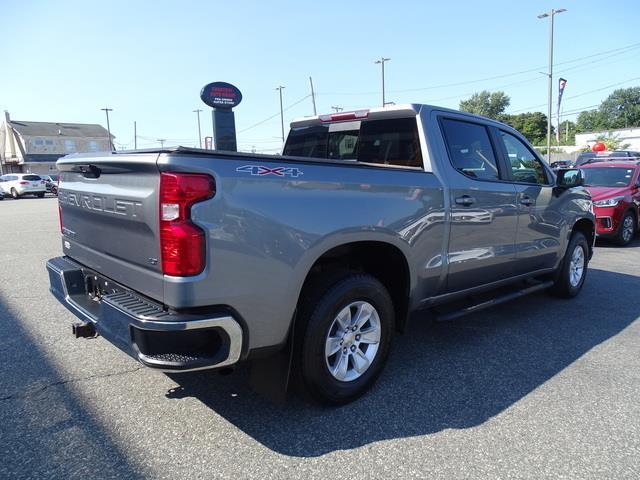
348	326
627	229
573	270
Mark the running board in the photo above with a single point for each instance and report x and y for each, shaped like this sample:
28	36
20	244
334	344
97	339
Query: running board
445	317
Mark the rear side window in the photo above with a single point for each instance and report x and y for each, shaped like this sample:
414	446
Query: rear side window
389	142
31	178
470	149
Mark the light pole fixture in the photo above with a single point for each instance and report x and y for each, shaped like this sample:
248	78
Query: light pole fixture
162	140
551	16
197	112
381	62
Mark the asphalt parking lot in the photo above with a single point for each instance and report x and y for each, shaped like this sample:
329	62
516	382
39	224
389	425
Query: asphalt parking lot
537	388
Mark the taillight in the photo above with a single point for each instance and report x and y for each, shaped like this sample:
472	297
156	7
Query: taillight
24	183
182	243
60	217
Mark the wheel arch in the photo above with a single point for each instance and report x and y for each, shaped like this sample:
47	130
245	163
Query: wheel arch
588	229
383	260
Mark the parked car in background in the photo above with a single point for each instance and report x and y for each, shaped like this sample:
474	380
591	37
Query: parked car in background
561	164
615	190
50	181
585	157
20	184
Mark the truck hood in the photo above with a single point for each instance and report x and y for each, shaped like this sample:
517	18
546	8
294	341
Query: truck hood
601	193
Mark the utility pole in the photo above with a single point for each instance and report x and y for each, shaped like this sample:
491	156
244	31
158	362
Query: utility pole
337	109
135	136
279	88
107	110
381	63
162	140
197	112
313	96
550	14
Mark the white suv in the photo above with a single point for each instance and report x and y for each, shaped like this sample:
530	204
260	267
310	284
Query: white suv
19	184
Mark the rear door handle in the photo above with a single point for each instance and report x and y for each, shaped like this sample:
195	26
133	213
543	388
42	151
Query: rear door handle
528	201
465	200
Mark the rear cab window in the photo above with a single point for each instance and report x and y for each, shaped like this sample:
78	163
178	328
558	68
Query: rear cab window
386	141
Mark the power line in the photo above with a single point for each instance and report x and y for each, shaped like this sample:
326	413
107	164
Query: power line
274	115
580	94
619	51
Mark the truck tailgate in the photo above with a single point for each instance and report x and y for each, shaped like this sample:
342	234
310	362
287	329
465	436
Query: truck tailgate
109	217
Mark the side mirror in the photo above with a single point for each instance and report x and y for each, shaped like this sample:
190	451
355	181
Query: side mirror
568	178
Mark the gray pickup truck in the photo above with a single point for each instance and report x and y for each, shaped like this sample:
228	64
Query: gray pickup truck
307	263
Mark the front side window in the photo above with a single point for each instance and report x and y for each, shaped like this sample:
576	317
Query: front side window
470	149
525	166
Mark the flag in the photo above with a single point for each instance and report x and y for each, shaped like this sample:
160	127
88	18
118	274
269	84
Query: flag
561	84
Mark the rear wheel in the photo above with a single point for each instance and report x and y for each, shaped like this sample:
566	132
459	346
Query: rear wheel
346	334
627	229
15	194
41	195
573	270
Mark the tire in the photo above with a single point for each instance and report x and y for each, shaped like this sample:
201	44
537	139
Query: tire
325	312
569	278
627	230
15	194
40	195
54	190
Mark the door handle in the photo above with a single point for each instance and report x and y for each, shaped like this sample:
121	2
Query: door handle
528	201
465	200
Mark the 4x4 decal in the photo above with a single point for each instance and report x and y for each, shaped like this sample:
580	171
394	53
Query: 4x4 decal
260	170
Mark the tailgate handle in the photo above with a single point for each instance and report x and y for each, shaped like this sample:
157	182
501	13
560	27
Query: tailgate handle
88	171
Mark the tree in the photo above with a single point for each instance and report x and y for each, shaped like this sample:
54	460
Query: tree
487	104
611	141
533	125
621	109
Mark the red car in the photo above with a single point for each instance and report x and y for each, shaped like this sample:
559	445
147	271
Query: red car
615	189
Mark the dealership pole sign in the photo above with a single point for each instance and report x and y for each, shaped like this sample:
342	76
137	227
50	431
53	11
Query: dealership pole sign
222	97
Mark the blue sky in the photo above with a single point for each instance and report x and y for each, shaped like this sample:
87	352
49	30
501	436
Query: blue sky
64	60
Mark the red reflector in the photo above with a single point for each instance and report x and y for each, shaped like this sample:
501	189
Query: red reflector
342	116
182	243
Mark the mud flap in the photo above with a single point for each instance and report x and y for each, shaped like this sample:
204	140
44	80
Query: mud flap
270	376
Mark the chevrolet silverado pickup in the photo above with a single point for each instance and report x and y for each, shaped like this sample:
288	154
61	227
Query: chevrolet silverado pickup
192	259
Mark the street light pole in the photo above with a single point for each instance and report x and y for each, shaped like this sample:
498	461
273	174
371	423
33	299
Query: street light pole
381	63
197	111
279	88
550	14
107	110
162	140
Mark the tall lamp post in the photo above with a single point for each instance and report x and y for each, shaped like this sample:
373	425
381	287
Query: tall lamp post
551	15
279	88
381	62
107	110
197	111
